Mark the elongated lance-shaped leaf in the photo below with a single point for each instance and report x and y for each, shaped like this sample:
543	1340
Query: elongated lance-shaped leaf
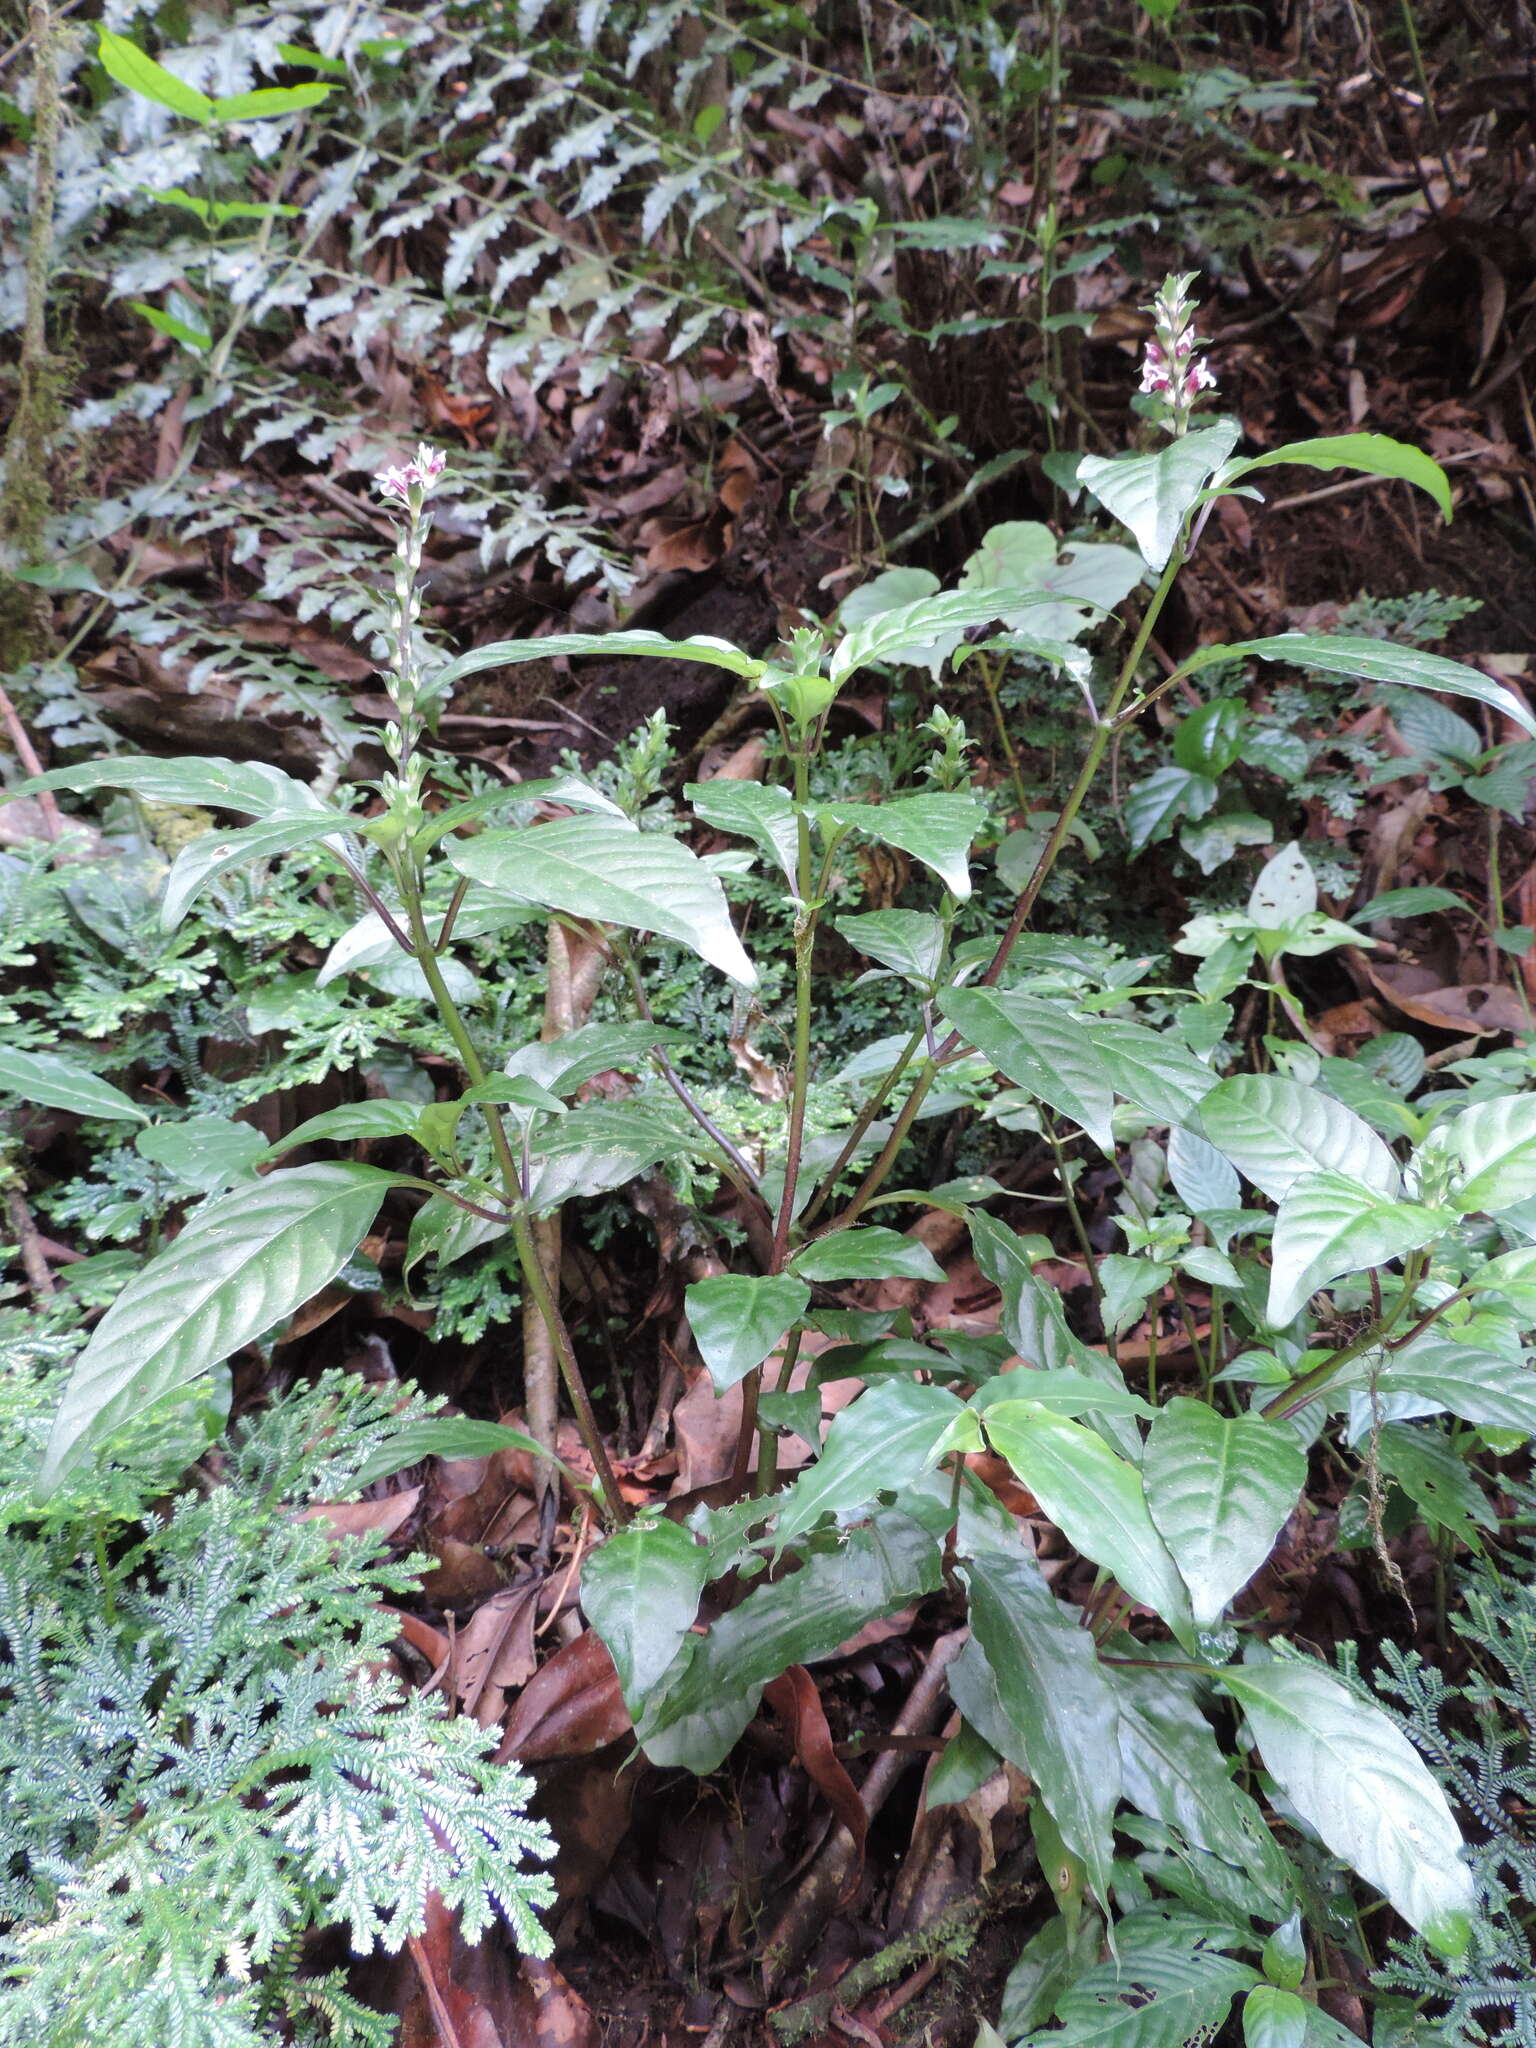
882	1444
134	68
1354	1776
1457	1373
1275	1130
1220	1489
240	1268
877	1568
1150	1068
211	783
869	1252
607	870
891	635
1096	1498
641	1593
1043	1048
512	653
1370	454
1330	1225
1049	1708
203	860
1376	661
46	1081
453	1436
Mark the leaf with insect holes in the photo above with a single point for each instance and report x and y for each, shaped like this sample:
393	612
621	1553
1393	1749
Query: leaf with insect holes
607	870
43	1080
241	1267
1355	1778
1220	1489
1331	1224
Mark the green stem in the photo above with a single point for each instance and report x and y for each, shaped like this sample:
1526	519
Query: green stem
534	1276
862	1122
1300	1391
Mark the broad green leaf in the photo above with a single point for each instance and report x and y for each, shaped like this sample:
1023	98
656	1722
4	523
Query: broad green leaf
1041	1047
1378	661
604	1145
1154	494
1214	841
1436	1478
908	629
198	339
1356	1779
1175	1772
1209	740
1154	805
1055	1956
242	1265
1202	1179
565	1064
1021	554
1096	1499
909	942
1443	1372
212	854
1153	1997
135	69
511	653
1150	1068
208	1153
1273	2018
1331	1224
641	1593
45	1081
1371	454
884	1443
1063	1391
739	1319
607	870
1495	1143
452	1436
937	830
879	1567
760	812
960	1769
1512	1277
869	1252
444	1231
1220	1489
1275	1130
1049	1707
1127	1284
883	593
249	786
267	102
1406	903
353	1120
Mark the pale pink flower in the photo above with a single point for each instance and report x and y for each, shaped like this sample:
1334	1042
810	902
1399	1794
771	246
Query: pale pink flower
420	475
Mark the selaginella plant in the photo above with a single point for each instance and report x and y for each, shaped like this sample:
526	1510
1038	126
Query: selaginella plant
1351	1258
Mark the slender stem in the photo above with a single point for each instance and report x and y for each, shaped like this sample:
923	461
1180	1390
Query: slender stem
767	1443
534	1278
862	1122
450	915
1296	1396
1075	1214
990	680
879	1173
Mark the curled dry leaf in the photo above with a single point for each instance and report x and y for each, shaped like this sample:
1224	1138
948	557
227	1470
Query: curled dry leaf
570	1707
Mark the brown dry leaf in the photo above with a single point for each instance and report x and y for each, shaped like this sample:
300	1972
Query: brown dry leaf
547	2012
360	1517
1480	1007
793	1696
571	1706
462	1997
494	1655
767	1082
463	1576
763	359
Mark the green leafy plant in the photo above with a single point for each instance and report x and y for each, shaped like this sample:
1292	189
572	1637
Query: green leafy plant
1378	1288
204	1755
